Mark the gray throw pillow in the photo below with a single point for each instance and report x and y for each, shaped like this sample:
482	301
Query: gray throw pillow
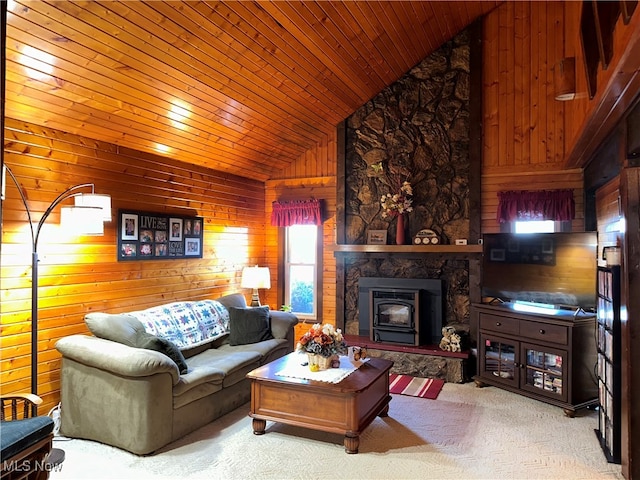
249	325
162	345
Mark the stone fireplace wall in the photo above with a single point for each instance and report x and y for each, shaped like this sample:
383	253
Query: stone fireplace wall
417	130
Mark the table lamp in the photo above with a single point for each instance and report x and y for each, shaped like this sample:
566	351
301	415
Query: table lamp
255	278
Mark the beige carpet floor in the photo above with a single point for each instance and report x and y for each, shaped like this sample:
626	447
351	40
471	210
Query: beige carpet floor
467	433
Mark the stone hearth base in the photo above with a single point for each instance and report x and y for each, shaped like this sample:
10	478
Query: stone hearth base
424	361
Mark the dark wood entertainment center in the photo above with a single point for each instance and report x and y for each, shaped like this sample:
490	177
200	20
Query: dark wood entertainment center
550	357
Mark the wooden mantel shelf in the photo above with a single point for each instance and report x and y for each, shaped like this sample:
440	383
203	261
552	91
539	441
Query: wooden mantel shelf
406	248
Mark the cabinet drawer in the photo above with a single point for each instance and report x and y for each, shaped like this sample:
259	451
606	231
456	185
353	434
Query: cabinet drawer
545	332
499	324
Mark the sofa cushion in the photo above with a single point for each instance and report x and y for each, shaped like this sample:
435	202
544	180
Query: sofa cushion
210	371
249	325
121	328
162	345
186	324
268	350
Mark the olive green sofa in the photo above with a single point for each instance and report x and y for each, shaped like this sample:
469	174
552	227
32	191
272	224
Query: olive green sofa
123	385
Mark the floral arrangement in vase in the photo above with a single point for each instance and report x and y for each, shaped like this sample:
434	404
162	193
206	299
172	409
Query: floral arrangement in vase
323	344
394	204
397	203
324	340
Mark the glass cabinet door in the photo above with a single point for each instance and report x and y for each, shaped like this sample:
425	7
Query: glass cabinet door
545	371
498	359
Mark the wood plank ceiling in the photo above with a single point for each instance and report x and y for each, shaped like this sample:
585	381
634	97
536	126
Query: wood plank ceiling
240	87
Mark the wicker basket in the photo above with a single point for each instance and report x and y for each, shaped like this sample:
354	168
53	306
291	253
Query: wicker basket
323	363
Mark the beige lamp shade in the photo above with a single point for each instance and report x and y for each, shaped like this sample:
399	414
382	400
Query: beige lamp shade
255	278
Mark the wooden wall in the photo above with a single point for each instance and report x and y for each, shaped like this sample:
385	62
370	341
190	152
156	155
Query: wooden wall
530	140
523	127
494	182
524	144
80	275
313	175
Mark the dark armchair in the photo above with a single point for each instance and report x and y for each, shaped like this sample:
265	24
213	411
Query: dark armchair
25	441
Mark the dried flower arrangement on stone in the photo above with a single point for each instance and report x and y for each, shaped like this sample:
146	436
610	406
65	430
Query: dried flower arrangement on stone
394	204
398	203
323	340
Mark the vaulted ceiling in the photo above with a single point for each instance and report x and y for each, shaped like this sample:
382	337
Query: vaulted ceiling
241	87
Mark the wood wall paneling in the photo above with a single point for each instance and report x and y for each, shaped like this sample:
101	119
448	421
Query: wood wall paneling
312	175
323	188
523	126
550	180
80	275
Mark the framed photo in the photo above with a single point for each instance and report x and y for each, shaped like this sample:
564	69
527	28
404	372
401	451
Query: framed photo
197	227
175	229
377	237
497	255
155	236
188	227
129	226
146	236
128	250
161	236
192	247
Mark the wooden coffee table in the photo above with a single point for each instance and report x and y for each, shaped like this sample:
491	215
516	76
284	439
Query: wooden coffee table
347	407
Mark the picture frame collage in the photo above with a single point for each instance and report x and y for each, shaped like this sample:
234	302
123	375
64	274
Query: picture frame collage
154	236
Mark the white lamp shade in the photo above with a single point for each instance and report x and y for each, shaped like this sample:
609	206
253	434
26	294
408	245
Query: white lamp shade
82	220
255	277
95	200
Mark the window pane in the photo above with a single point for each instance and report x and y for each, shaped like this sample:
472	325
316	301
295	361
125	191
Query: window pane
302	244
535	226
301	283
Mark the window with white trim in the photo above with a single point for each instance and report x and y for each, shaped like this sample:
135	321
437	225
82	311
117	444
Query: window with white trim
301	270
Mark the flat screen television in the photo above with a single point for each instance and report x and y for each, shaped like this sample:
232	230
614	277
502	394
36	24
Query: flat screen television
556	269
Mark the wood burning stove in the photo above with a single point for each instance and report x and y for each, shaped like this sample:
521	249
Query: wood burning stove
395	316
400	311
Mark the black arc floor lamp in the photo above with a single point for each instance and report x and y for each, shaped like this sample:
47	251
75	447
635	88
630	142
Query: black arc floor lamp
86	217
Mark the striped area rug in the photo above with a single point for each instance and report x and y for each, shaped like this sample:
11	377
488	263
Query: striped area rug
415	386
